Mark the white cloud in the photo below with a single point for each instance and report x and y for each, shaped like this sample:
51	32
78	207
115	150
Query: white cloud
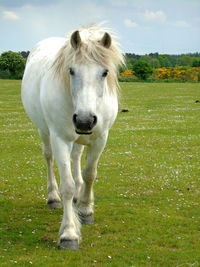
154	16
38	19
182	23
129	23
10	15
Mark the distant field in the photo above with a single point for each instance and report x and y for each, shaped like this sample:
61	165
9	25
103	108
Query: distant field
147	210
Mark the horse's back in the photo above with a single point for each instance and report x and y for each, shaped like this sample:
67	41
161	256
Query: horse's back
43	55
38	64
46	49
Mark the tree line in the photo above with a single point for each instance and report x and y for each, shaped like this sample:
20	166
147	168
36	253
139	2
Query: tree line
12	64
156	60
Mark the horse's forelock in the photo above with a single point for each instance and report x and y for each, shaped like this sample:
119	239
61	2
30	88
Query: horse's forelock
90	50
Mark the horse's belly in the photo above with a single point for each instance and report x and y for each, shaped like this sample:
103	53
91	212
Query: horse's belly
30	95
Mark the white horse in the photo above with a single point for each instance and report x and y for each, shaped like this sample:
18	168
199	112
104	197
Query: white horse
69	91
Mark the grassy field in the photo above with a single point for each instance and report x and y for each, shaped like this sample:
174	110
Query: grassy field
147	210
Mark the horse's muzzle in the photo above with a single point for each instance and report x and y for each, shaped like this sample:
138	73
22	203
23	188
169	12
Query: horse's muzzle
84	124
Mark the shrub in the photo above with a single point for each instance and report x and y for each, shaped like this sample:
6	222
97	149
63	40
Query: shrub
126	73
5	74
196	63
179	74
13	63
142	69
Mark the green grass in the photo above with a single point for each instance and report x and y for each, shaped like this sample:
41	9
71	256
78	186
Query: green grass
147	192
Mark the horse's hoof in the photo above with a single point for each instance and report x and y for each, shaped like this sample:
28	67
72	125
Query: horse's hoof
54	204
68	244
86	219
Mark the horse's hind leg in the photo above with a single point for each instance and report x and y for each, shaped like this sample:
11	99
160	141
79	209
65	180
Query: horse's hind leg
76	157
53	201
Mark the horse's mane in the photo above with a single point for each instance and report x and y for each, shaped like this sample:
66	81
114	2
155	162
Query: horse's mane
90	50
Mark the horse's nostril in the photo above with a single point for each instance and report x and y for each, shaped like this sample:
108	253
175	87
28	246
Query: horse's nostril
95	120
74	118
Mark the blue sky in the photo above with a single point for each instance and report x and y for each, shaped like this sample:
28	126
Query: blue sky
143	26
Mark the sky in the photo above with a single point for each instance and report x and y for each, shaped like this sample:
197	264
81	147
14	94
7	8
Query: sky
143	26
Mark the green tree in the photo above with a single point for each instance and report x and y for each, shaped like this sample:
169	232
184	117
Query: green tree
155	63
196	63
24	54
152	60
164	61
142	69
185	61
13	63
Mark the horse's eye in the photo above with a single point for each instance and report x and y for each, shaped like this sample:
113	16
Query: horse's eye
105	73
71	71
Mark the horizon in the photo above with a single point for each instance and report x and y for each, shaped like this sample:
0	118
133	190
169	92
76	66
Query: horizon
184	54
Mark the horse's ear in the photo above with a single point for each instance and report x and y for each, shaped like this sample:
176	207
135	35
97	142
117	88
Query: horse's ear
106	40
75	39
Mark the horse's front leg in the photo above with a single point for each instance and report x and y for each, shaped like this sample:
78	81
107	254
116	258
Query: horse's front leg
69	234
86	203
76	157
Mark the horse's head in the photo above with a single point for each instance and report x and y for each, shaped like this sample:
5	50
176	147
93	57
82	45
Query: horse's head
88	80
